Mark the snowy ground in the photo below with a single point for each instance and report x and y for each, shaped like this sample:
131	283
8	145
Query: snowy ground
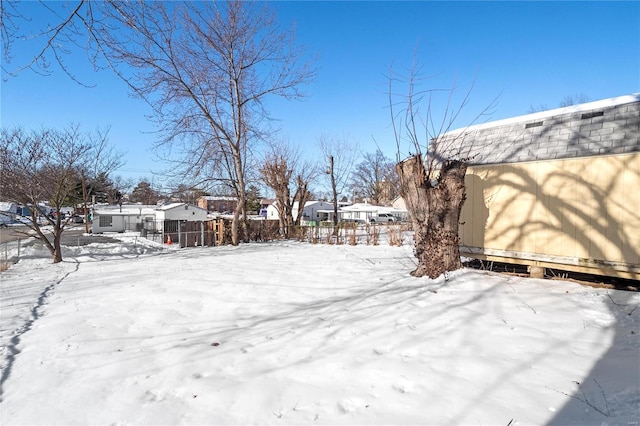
291	333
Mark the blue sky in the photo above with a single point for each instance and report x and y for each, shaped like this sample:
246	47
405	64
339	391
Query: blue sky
527	53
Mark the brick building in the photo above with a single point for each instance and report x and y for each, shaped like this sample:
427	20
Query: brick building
219	204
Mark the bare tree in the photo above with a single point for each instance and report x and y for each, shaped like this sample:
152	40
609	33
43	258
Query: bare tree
118	188
569	100
375	178
537	108
432	178
41	167
339	155
186	193
565	102
205	68
285	173
70	22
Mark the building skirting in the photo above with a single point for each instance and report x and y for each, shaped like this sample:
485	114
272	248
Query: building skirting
588	266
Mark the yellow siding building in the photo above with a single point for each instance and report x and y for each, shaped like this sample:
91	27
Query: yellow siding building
558	189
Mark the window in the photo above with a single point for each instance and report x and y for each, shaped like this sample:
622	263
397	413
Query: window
106	221
592	114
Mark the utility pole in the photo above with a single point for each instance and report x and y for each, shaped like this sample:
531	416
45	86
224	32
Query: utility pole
335	193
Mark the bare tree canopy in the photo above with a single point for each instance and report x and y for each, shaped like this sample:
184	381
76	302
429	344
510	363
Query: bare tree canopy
338	154
206	68
41	170
568	100
375	178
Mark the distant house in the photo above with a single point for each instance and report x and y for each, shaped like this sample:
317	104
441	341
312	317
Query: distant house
144	218
264	205
556	189
364	212
315	211
218	204
115	218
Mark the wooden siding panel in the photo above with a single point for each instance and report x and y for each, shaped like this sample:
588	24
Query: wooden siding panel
586	208
508	198
549	204
567	199
629	207
608	173
553	184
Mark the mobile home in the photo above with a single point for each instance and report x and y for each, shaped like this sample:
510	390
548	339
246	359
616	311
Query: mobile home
556	189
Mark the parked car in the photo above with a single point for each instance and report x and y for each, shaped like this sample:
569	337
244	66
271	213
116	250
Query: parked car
5	219
383	217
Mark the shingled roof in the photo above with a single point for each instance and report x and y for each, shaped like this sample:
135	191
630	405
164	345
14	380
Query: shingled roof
609	126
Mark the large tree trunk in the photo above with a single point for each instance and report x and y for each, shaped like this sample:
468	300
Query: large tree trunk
434	208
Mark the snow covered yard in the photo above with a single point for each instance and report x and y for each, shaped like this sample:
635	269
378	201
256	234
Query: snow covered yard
291	333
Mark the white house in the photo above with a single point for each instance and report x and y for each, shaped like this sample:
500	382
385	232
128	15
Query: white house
323	211
181	211
143	217
114	218
364	212
313	211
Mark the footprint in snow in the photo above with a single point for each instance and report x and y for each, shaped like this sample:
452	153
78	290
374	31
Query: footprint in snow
404	386
349	405
410	353
381	350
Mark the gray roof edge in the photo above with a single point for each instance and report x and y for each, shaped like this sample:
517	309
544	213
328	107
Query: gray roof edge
589	106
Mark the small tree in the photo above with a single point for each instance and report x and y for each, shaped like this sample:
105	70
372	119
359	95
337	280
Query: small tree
43	167
375	178
284	174
432	179
144	193
253	198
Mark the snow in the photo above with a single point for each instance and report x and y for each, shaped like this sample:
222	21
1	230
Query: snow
293	333
541	115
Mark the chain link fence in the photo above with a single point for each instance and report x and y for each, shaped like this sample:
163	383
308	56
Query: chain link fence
10	253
